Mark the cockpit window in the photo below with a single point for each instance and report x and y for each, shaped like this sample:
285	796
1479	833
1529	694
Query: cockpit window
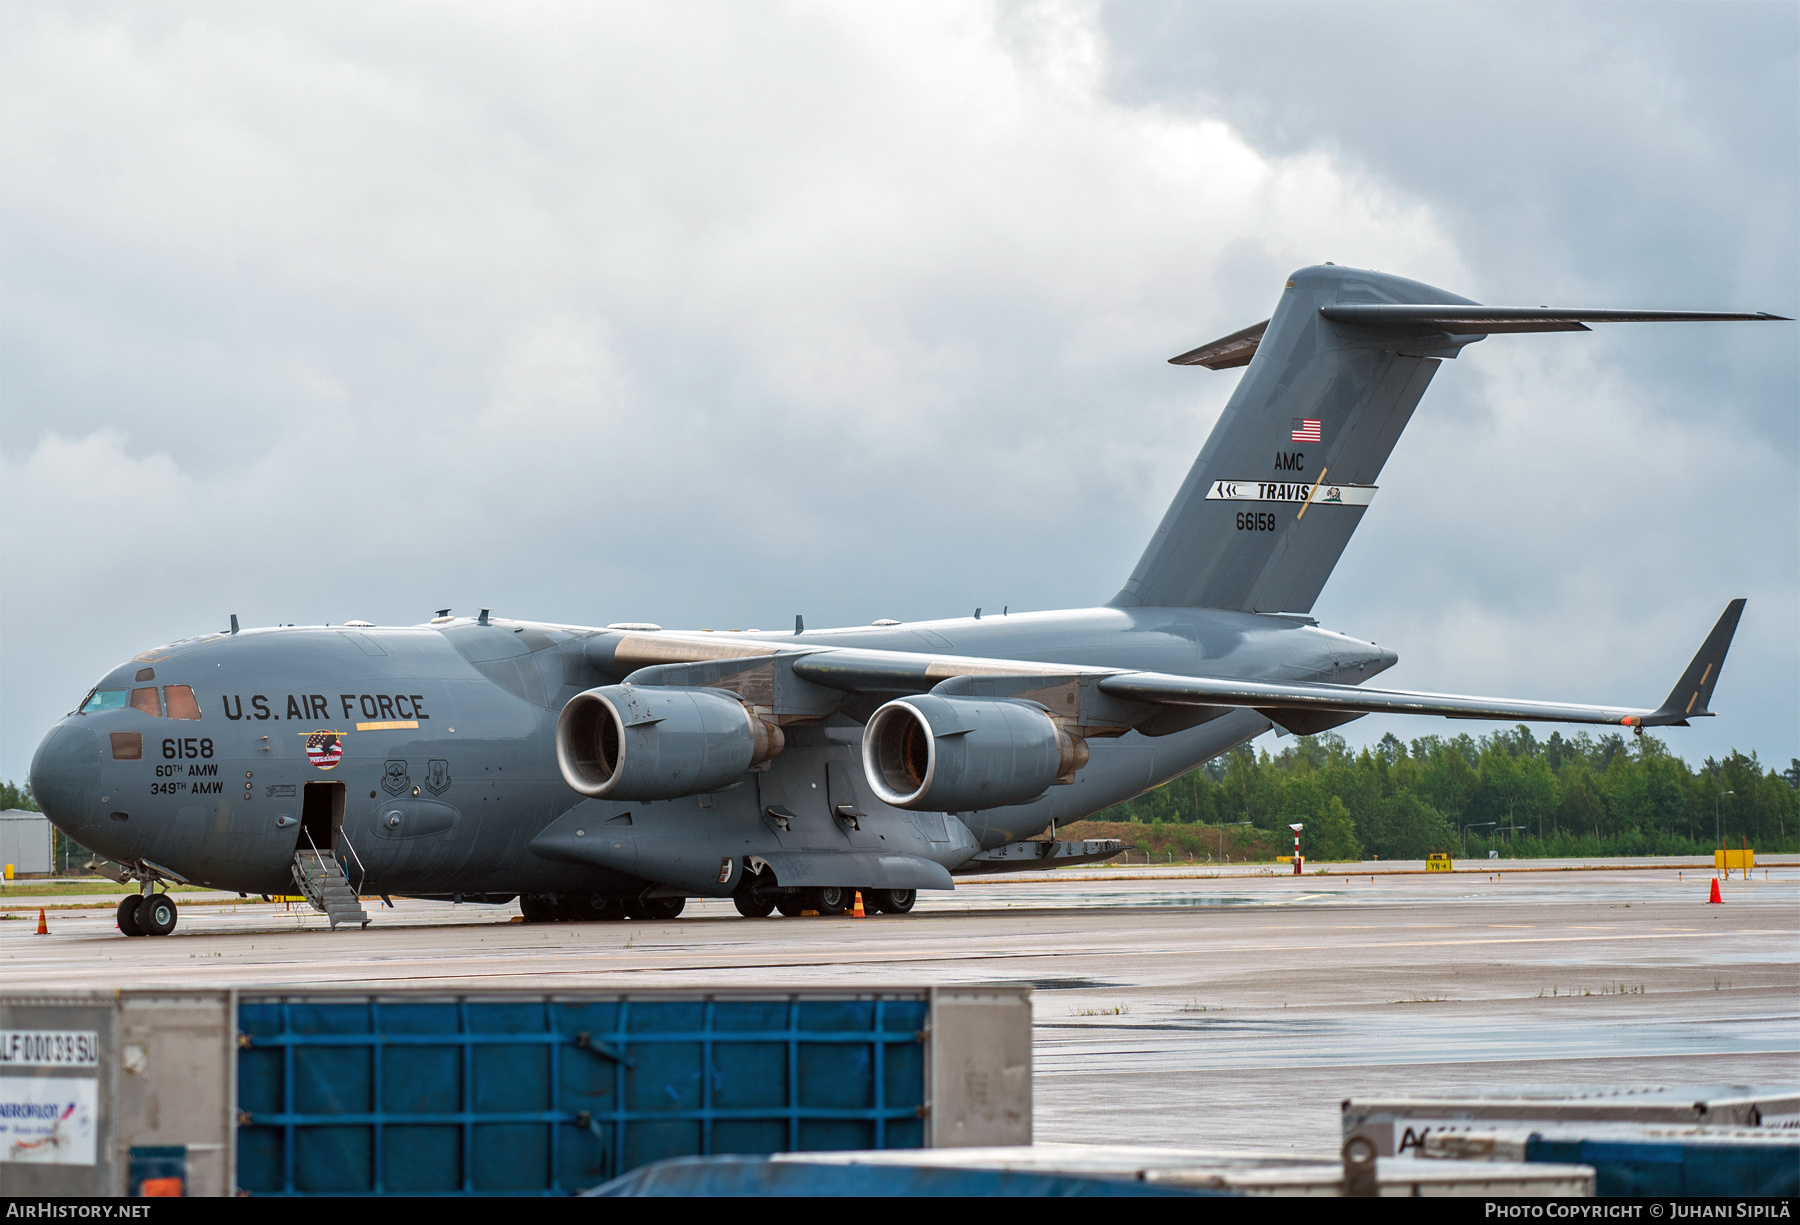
147	701
128	746
180	702
103	699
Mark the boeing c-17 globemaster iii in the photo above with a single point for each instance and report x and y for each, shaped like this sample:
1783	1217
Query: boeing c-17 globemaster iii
604	773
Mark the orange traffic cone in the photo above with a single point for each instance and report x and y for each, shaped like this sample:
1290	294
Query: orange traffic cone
1715	898
857	913
43	927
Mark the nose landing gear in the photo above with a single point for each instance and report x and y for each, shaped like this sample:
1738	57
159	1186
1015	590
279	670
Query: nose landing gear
152	914
156	914
128	922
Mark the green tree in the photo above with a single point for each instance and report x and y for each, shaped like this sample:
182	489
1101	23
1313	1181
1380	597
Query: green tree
1331	834
1406	827
1556	797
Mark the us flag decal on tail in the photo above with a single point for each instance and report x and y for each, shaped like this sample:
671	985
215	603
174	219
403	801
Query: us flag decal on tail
1306	429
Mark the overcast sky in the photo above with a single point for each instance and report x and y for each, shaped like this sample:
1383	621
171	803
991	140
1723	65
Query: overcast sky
708	314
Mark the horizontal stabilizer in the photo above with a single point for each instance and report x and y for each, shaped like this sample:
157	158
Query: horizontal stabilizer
1692	693
1227	352
1472	320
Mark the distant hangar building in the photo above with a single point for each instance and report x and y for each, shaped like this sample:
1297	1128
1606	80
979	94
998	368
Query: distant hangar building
25	841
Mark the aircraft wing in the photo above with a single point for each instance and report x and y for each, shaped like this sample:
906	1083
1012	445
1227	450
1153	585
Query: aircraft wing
892	672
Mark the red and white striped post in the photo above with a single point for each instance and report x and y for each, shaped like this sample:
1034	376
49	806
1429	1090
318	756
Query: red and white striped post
1297	827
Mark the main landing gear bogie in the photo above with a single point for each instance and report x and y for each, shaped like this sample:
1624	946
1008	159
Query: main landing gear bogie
823	900
755	904
595	907
752	903
889	901
570	907
152	914
656	908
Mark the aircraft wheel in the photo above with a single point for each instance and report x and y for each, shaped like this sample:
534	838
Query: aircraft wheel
128	915
537	908
831	899
791	904
594	908
157	914
755	904
894	901
656	907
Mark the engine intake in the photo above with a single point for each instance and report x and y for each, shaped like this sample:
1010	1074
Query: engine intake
962	754
646	742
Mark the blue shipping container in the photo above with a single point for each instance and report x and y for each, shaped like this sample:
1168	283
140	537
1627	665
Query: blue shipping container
1670	1167
364	1093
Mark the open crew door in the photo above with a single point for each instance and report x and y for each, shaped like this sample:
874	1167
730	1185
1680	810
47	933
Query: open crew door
321	816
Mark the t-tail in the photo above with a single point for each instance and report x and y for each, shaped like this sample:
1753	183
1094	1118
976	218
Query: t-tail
1291	466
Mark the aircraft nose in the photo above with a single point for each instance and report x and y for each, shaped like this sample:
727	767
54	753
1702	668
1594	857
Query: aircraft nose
65	776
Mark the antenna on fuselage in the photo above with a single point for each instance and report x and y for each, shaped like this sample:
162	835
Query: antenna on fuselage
234	623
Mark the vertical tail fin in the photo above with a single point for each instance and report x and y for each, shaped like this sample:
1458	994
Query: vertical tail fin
1334	377
1256	526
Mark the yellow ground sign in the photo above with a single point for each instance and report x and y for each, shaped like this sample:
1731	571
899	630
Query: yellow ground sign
1734	860
1440	863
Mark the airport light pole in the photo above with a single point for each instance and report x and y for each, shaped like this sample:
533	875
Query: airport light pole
1470	826
1719	832
1296	827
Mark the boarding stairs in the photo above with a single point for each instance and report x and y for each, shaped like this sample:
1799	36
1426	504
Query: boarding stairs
323	883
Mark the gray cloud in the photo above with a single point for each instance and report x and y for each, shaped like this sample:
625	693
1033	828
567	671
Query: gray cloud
1565	514
708	314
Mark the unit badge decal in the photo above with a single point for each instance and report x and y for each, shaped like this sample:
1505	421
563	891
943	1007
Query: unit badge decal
437	776
394	778
324	748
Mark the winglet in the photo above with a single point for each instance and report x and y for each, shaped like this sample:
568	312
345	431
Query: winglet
1693	691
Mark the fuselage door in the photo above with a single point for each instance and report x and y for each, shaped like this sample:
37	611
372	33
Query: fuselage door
321	817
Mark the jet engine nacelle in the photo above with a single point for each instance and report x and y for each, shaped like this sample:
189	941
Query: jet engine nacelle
961	754
647	742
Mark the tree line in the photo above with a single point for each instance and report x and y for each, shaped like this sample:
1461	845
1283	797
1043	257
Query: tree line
1559	797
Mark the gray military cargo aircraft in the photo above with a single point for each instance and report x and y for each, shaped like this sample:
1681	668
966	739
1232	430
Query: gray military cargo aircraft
605	773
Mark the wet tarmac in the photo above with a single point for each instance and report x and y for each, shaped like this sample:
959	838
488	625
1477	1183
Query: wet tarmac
1221	1010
